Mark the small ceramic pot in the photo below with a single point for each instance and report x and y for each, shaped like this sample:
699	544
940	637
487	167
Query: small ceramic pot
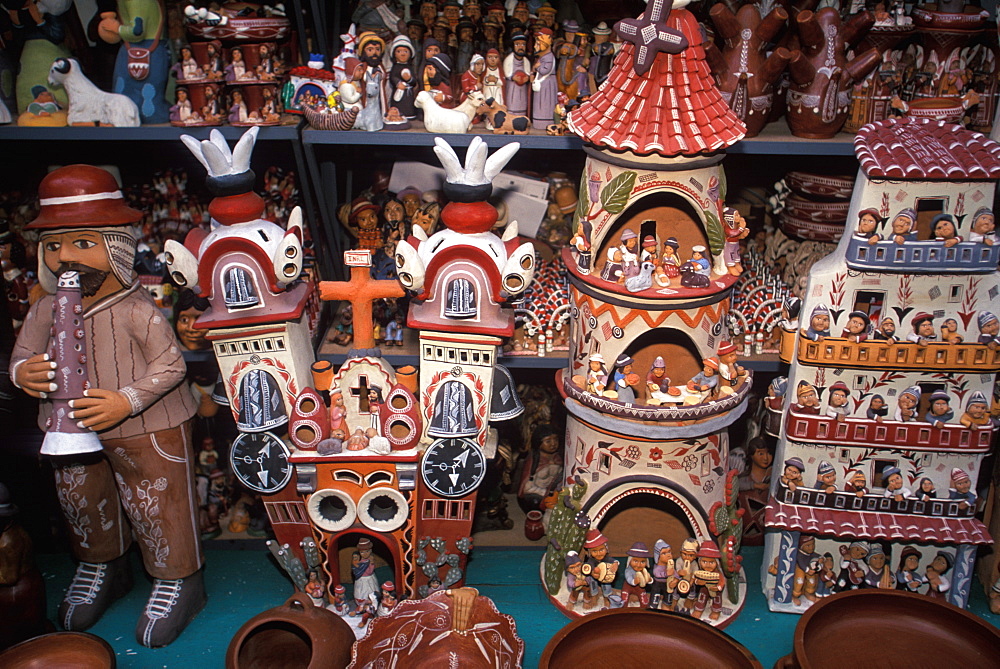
60	649
533	527
295	635
908	629
643	638
949	110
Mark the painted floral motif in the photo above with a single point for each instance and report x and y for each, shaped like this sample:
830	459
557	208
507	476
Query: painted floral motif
73	504
143	508
690	462
655	453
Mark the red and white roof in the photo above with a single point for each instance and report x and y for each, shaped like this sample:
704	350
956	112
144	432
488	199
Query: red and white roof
673	109
919	148
876	525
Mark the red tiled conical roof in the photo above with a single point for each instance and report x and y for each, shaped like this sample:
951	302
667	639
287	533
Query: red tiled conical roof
673	109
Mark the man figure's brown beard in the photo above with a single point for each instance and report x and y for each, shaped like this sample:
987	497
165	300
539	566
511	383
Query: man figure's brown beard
91	279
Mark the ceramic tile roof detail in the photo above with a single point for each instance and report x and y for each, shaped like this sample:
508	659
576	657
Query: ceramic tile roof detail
920	148
673	109
876	525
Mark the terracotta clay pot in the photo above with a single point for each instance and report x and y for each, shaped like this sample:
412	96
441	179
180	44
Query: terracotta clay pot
909	630
643	638
533	527
295	635
60	649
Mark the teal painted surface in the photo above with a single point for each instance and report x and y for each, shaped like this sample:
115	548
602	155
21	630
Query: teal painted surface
241	584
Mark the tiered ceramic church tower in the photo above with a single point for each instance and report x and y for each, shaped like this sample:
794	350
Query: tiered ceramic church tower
653	383
366	455
892	370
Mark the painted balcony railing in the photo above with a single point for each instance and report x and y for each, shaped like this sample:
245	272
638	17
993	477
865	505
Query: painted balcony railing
877	354
848	501
891	434
923	257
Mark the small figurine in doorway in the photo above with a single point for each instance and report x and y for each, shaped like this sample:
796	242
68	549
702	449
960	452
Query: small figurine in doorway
856	483
989	329
939	412
943	229
877	409
840	398
363	573
961	489
661	592
983	227
808	400
907	404
826	478
938	583
819	323
857	327
868	226
907	577
892	479
791	478
709	581
886	331
852	568
735	231
637	577
904	226
977	413
806	578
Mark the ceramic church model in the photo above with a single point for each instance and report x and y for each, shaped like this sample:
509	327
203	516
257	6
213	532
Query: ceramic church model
886	409
364	464
653	383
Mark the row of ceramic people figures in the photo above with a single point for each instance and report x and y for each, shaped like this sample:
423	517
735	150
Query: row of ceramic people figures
215	66
691	583
719	377
838	405
923	329
892	478
943	227
865	565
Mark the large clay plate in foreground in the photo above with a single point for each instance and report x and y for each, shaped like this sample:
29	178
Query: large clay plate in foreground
60	650
891	630
640	638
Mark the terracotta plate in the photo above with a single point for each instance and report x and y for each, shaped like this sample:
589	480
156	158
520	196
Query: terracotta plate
60	649
892	630
642	638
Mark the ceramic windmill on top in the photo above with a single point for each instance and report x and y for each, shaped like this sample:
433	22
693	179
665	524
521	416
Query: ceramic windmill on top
653	382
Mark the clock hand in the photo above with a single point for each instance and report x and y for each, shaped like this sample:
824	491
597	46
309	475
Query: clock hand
462	458
454	478
263	475
266	451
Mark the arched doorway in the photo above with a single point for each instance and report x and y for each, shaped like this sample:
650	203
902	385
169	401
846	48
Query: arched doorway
385	554
678	351
642	513
674	216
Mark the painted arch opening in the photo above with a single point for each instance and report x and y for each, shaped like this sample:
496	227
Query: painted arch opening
385	557
678	350
672	214
643	513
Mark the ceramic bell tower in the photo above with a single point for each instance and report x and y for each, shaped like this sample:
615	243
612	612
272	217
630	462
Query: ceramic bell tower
653	383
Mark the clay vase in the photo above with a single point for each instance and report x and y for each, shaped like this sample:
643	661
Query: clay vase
322	375
295	635
534	529
822	77
946	29
407	375
309	423
643	638
745	74
908	629
60	649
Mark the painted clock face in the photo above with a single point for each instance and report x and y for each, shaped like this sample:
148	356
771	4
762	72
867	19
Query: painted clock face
453	467
260	461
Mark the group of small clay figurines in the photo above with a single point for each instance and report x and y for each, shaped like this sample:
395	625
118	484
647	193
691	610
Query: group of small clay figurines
636	264
207	68
689	583
892	480
903	228
865	565
369	600
720	376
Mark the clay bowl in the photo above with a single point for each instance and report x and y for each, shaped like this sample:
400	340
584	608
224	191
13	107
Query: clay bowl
810	230
948	110
417	634
890	629
826	186
641	638
812	210
60	650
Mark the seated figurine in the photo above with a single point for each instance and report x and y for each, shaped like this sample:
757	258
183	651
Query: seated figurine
906	405
857	327
886	331
949	331
819	323
892	479
868	226
623	378
939	411
839	402
791	477
730	373
856	483
944	230
961	488
989	329
904	226
826	478
808	400
923	329
925	490
976	412
597	376
707	380
983	227
877	408
657	379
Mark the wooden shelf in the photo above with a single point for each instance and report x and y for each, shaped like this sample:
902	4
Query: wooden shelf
409	354
775	139
147	133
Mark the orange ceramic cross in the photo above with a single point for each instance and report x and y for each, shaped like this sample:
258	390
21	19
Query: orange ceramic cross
361	291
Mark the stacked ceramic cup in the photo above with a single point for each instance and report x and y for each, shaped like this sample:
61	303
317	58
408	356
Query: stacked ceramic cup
815	205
